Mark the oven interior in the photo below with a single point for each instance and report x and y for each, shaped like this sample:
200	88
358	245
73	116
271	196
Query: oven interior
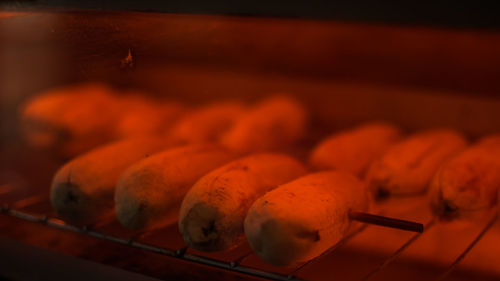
345	73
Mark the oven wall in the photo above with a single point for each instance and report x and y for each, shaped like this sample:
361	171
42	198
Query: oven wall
347	73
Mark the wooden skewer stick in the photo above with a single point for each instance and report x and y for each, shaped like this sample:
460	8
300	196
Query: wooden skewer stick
387	221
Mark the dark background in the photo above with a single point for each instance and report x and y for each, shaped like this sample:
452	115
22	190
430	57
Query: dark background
456	14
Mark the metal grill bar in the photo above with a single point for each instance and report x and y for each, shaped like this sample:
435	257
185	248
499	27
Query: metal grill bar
240	259
452	267
180	252
53	222
403	247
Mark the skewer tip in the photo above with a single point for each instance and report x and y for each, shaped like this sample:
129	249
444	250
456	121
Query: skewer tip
387	221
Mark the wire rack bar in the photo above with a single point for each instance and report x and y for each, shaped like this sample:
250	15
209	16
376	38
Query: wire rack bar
240	259
403	247
179	254
478	238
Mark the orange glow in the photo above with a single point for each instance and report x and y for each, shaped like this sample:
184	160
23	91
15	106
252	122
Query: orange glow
206	123
141	115
354	150
338	75
70	120
271	125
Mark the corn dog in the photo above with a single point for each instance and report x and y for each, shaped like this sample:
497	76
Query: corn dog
207	123
212	213
150	192
70	119
467	185
83	189
143	116
275	123
354	150
408	166
301	219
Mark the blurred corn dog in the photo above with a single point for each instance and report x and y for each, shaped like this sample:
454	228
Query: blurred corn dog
69	120
301	219
82	190
146	116
355	149
129	124
212	212
273	124
150	192
206	123
408	166
467	186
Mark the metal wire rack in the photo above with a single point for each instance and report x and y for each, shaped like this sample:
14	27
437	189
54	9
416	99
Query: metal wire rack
177	253
13	210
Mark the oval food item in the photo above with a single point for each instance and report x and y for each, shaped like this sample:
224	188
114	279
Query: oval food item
82	190
273	124
150	192
303	218
71	119
467	185
207	123
212	213
146	116
354	150
408	166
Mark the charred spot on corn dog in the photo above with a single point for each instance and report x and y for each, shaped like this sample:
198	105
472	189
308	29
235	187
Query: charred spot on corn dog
200	228
382	193
445	209
448	211
71	197
309	235
209	229
449	207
